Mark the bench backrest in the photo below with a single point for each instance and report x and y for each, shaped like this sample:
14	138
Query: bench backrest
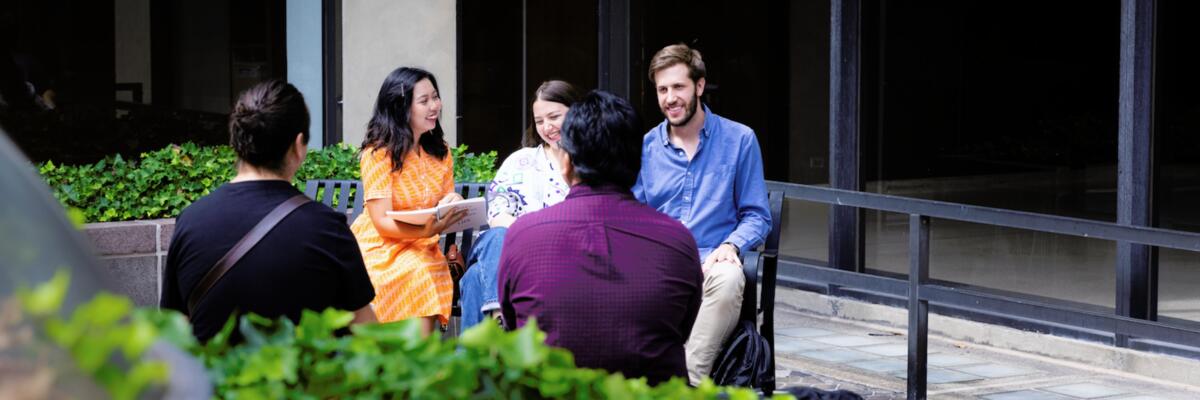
467	237
764	261
342	195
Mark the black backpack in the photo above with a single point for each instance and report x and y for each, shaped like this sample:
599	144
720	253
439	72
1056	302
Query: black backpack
811	393
745	359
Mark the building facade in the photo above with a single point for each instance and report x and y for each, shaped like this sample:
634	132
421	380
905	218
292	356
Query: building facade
1073	108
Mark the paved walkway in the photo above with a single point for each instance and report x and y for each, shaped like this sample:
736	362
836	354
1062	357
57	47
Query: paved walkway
830	353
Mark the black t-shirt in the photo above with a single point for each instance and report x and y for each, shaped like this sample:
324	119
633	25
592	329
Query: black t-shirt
309	261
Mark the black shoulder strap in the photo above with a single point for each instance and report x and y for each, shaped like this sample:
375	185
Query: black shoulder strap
242	247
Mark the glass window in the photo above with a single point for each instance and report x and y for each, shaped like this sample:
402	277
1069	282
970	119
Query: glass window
1177	158
987	103
84	80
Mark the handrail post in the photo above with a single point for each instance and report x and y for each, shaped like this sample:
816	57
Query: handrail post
918	308
1137	269
846	238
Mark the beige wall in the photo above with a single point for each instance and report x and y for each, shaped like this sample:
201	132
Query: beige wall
380	35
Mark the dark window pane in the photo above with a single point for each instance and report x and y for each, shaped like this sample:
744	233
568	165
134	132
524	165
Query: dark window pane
1177	131
83	80
1001	104
558	42
490	75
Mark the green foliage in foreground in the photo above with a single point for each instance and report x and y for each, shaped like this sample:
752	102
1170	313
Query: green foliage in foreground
102	341
163	182
309	360
280	359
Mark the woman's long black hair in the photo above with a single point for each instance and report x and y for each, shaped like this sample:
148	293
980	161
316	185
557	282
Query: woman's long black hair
388	128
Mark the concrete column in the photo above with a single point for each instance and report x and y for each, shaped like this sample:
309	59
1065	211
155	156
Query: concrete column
304	61
380	35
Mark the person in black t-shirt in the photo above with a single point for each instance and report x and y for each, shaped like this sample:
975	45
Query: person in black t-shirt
309	261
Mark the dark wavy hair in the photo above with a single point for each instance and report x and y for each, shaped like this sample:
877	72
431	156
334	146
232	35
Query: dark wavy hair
265	121
554	90
603	135
388	128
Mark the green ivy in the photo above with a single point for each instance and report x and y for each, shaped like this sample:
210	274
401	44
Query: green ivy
336	162
159	185
471	167
99	336
163	182
279	359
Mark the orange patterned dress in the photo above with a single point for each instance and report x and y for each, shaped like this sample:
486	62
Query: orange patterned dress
409	275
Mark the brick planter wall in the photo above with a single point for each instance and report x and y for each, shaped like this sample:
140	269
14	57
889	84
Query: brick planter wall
133	253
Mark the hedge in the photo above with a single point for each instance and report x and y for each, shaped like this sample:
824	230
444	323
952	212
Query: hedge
163	182
280	359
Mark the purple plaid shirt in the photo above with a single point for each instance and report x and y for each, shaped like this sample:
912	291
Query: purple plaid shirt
608	278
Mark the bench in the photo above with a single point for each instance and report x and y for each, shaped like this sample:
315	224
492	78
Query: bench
464	242
764	261
761	261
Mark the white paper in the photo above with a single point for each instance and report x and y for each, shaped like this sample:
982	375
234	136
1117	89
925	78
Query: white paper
475	217
415	217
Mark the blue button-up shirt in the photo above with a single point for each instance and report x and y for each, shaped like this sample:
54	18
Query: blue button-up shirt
720	195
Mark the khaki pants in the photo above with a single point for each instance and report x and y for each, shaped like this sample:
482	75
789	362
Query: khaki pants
720	305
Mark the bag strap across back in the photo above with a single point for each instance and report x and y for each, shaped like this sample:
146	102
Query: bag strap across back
242	247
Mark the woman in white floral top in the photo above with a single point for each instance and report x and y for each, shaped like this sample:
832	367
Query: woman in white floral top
528	180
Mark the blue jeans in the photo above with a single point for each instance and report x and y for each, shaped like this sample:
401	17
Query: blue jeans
478	284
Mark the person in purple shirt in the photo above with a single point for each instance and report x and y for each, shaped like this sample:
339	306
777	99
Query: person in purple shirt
705	171
607	277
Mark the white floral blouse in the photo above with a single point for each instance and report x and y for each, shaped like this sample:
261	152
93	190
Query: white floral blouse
526	182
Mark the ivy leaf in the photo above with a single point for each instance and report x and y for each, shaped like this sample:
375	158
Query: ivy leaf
170	326
140	336
139	377
77	217
220	340
480	336
526	348
47	297
104	310
402	332
249	328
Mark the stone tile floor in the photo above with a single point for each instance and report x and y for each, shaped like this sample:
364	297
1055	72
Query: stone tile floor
833	354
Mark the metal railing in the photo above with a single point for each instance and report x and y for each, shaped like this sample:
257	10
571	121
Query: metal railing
920	291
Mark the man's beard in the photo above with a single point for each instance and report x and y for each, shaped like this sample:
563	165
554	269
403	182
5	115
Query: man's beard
688	113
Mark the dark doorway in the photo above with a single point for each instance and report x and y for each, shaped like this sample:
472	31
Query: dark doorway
506	50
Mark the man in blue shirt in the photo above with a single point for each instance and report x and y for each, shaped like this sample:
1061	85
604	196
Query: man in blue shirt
707	172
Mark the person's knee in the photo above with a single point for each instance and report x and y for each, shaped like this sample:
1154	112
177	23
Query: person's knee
470	277
727	280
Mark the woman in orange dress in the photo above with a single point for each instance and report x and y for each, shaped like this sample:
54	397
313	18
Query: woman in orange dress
406	165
